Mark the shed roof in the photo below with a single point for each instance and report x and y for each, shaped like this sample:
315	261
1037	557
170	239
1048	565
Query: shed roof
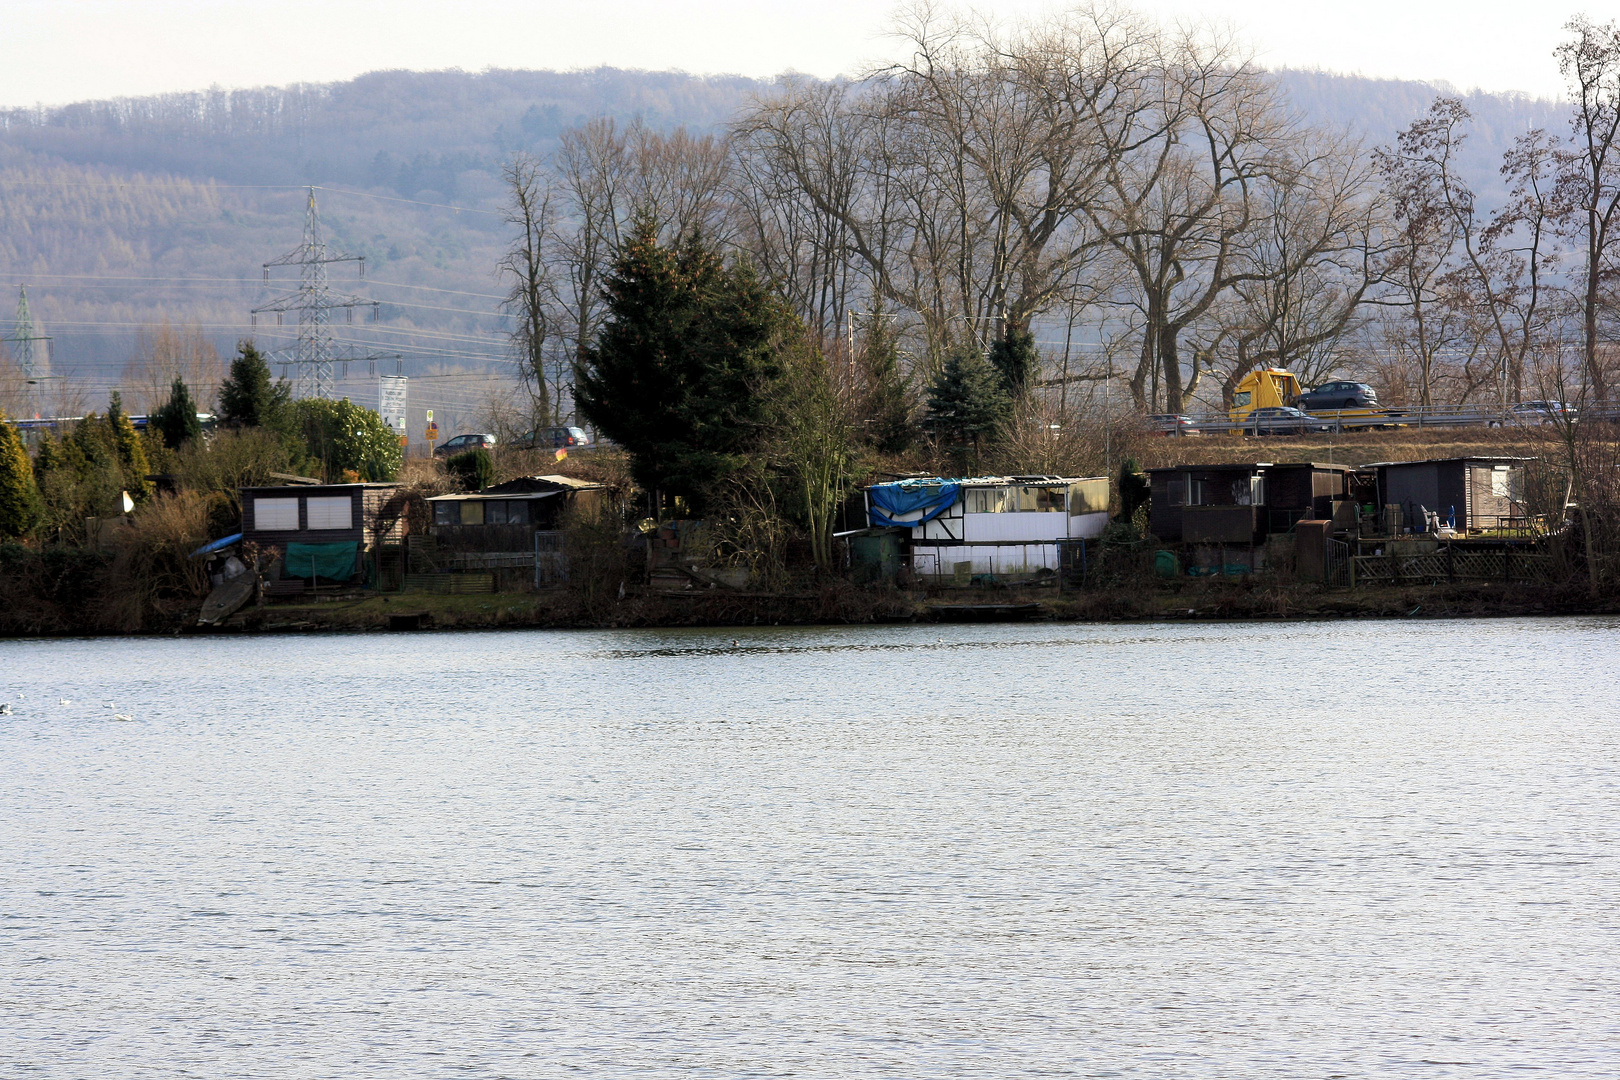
491	496
551	482
1493	458
317	489
988	481
1249	466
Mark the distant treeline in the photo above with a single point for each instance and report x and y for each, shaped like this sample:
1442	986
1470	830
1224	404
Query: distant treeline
408	131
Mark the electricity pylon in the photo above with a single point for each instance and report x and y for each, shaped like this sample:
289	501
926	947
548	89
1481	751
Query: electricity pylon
36	366
315	355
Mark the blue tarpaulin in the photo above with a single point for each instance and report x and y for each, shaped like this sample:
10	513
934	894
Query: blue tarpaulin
932	497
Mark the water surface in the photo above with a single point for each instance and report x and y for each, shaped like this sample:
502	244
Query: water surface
1367	849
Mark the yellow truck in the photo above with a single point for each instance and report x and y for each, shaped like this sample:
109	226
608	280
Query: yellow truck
1263	389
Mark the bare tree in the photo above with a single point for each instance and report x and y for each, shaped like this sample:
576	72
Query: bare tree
532	298
606	177
1591	175
1310	259
1182	201
164	353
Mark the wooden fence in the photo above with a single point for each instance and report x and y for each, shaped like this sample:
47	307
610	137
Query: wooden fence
1448	564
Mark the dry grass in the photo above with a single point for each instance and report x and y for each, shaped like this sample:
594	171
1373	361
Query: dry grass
1350	447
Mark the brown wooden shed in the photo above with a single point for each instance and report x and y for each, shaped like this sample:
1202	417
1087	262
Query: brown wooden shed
1241	503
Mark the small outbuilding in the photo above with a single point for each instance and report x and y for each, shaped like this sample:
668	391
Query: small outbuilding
1465	493
998	526
319	530
1244	503
510	525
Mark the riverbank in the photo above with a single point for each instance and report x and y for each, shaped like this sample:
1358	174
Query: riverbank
1203	601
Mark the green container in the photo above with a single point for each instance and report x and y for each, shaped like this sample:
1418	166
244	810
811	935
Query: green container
1166	565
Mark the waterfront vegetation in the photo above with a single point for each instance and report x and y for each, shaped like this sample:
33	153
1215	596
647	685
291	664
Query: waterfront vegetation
863	279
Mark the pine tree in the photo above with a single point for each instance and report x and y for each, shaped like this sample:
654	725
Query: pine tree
176	419
20	506
249	397
126	443
966	402
889	426
1134	488
682	373
1015	360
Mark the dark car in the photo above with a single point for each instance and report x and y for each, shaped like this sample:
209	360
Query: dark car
553	438
462	443
1283	420
1338	395
1173	424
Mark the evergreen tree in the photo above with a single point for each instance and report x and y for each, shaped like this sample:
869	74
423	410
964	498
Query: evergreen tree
1134	488
889	427
176	419
474	470
1014	357
20	506
682	372
249	397
48	455
126	442
966	402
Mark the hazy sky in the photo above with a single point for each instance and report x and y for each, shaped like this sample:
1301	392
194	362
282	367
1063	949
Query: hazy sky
68	50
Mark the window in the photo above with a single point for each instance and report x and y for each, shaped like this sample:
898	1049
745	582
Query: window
495	513
517	512
1240	400
1257	490
331	512
446	513
472	513
1176	488
986	501
275	515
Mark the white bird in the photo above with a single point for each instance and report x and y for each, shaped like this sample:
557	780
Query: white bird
5	708
122	716
64	701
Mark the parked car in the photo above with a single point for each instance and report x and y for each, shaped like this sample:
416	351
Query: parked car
462	443
1542	412
1173	424
1338	395
553	438
1285	420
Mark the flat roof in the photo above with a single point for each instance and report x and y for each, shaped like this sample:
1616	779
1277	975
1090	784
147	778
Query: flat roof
988	481
1447	460
1333	465
308	488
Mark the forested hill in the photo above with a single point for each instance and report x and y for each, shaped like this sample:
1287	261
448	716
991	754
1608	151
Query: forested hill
117	214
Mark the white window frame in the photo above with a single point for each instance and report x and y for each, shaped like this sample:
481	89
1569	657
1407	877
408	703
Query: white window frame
330	513
270	515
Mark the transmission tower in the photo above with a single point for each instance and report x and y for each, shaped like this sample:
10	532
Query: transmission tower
316	354
36	366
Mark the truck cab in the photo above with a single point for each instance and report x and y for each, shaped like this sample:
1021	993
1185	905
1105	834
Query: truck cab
1266	388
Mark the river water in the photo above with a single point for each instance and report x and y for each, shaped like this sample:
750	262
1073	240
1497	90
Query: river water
1309	850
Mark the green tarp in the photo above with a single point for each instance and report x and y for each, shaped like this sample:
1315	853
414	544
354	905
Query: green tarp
334	562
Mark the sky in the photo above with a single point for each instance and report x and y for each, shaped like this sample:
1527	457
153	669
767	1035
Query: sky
56	51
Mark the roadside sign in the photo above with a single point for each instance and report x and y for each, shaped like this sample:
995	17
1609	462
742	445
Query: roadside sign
432	431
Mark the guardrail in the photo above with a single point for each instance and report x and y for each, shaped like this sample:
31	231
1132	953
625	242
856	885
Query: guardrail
1402	416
